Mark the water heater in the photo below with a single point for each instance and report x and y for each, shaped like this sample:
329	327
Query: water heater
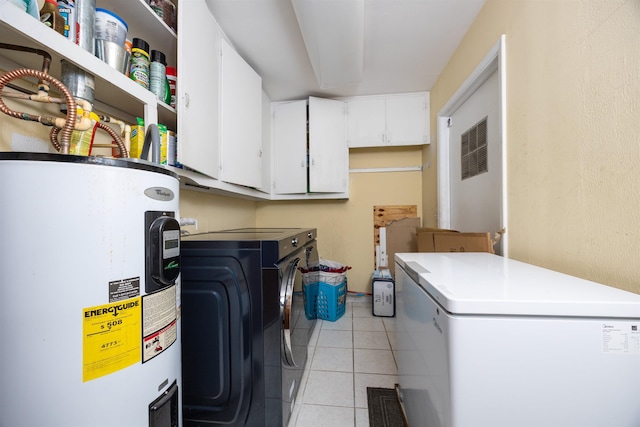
89	322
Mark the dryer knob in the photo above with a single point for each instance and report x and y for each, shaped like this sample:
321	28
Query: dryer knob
294	242
310	235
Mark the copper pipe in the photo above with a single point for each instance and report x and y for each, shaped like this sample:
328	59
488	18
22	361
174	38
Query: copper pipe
48	121
53	138
46	60
116	138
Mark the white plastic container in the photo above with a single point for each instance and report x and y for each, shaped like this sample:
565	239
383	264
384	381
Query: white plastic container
110	27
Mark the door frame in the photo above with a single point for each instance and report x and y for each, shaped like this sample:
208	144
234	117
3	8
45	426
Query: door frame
494	61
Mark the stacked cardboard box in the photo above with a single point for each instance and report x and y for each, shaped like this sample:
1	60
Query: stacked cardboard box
440	240
406	235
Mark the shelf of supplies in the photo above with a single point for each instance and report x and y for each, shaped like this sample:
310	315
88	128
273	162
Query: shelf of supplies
112	88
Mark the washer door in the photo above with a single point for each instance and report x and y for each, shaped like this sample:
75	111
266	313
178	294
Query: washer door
286	302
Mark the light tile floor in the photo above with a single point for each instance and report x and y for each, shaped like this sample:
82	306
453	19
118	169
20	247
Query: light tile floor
345	357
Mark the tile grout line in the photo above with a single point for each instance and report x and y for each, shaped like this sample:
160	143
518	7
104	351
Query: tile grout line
353	373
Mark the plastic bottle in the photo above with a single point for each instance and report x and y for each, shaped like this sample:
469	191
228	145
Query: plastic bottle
139	72
50	16
172	77
82	141
158	74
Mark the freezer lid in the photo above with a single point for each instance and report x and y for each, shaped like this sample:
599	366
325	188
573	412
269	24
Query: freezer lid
483	283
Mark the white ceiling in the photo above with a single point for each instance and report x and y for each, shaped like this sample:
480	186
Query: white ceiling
406	44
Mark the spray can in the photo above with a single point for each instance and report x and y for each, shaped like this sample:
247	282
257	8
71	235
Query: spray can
139	72
158	77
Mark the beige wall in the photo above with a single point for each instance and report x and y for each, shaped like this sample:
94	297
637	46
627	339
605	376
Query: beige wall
216	212
573	114
345	228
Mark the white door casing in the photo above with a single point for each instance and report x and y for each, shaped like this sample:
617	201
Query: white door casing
478	203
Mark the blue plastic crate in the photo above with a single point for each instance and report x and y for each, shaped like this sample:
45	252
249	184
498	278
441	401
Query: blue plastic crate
309	295
325	300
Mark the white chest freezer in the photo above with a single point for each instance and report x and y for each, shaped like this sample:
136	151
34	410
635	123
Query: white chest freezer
486	341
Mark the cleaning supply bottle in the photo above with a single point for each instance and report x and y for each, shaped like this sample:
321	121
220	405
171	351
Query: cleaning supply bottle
158	76
139	72
50	16
172	78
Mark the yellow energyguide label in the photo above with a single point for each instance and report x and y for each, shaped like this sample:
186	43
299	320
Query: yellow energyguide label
111	337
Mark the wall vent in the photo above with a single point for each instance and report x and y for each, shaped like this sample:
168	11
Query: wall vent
473	150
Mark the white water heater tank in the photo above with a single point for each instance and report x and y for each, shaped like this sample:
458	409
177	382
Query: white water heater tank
89	325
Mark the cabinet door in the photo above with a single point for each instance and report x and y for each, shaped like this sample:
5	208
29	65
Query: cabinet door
241	127
198	88
328	151
290	147
366	122
408	119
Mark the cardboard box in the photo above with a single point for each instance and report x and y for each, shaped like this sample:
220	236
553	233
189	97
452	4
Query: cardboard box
439	240
401	237
425	237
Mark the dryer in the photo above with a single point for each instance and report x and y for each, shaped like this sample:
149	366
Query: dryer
244	331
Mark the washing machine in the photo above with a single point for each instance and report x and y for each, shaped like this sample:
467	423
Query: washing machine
244	330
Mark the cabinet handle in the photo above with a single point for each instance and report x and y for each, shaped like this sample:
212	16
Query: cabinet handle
186	99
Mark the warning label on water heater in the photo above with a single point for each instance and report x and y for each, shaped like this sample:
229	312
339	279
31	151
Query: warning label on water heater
621	337
159	322
111	338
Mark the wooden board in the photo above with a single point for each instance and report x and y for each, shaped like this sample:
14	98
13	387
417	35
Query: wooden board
383	215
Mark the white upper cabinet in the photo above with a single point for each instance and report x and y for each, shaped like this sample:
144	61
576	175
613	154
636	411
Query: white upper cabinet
328	151
309	161
198	89
408	119
366	121
289	127
241	132
374	121
220	102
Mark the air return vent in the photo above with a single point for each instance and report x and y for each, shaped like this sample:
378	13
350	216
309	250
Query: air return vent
473	150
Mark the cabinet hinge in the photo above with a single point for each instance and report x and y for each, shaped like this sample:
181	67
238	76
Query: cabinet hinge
449	122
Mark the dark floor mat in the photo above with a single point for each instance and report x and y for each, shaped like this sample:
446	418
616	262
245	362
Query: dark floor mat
384	408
